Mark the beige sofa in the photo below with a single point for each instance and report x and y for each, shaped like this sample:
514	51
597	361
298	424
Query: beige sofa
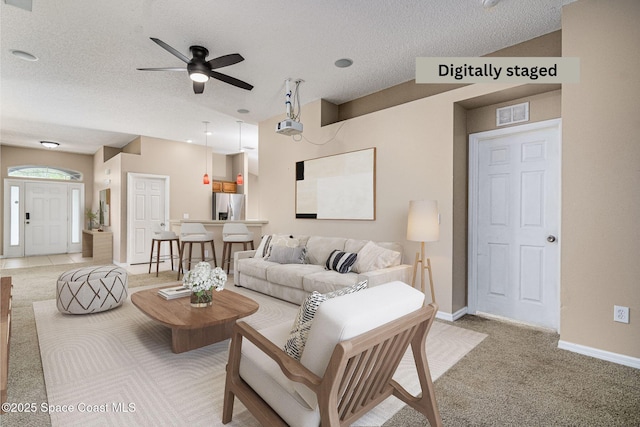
267	271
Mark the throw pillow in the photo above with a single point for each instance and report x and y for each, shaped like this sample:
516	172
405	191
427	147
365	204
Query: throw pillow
341	261
285	240
286	255
373	257
263	247
302	325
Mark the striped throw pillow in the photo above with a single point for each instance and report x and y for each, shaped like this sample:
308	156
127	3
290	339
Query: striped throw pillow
302	325
341	261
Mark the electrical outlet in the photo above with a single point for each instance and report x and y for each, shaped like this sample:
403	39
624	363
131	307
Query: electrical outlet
185	216
620	314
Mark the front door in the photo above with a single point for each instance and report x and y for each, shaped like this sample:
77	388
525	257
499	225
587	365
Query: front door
148	208
514	223
45	218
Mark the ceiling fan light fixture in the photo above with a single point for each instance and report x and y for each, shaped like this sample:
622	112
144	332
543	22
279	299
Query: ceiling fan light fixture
198	72
49	144
199	77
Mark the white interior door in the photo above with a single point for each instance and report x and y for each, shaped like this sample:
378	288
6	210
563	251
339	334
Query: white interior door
514	223
148	202
46	222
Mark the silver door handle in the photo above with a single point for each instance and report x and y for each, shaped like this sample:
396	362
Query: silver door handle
551	238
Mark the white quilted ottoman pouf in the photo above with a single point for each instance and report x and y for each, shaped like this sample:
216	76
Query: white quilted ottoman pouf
91	289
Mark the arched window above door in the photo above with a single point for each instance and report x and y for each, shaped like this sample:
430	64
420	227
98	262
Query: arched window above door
44	172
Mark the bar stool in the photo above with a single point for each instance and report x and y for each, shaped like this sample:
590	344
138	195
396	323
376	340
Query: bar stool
159	236
194	232
234	232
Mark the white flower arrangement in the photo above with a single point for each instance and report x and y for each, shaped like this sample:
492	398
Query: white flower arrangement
203	278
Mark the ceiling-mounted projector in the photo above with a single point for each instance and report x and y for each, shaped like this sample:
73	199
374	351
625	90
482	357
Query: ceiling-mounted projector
289	127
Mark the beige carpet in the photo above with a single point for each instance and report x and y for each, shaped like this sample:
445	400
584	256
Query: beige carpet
117	368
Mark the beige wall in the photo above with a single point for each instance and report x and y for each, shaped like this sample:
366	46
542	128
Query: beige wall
601	176
546	45
460	208
415	160
183	163
420	155
18	156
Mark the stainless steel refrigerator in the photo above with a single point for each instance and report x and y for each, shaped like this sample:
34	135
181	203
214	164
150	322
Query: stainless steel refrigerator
227	206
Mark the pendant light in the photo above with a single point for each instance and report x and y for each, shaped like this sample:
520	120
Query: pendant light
205	178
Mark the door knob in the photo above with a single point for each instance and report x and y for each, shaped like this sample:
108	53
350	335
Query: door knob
551	239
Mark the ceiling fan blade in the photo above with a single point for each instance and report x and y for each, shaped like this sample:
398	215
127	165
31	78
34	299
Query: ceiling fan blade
198	87
171	50
163	69
231	80
226	60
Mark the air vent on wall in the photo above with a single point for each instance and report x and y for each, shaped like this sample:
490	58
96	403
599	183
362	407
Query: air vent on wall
512	114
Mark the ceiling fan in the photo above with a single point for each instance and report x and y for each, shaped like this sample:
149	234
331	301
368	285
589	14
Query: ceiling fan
200	70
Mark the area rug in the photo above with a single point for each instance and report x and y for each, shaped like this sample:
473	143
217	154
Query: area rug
116	368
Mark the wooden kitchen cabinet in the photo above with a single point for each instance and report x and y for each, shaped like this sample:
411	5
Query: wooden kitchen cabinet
224	187
229	187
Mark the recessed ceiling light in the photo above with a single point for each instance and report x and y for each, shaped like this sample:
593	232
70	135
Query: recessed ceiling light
243	111
49	144
24	55
343	63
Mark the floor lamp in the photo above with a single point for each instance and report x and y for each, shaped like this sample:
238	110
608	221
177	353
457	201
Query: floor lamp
423	226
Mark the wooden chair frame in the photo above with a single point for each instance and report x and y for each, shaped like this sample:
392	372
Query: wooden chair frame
358	376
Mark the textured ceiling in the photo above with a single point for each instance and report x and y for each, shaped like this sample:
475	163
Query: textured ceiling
85	91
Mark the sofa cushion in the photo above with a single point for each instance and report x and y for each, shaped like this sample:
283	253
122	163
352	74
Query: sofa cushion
374	257
343	318
290	274
341	261
299	331
287	255
255	267
328	281
265	376
319	248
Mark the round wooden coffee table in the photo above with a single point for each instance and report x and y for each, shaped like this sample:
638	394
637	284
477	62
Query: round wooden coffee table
191	327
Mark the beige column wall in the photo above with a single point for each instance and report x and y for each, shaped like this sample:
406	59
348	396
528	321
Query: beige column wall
183	163
601	176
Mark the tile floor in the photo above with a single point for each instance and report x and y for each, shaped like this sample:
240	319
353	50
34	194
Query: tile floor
36	261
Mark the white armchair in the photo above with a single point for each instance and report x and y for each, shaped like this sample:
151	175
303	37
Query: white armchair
353	349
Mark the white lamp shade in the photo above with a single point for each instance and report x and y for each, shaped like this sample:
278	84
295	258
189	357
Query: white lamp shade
422	225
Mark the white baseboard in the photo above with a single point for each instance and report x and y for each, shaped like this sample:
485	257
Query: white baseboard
451	317
620	359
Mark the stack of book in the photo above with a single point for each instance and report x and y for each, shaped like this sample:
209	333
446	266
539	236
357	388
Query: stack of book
175	292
